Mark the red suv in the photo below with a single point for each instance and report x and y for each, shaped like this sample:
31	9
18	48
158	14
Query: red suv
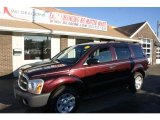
60	82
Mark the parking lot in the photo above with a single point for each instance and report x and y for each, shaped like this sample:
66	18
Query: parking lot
118	100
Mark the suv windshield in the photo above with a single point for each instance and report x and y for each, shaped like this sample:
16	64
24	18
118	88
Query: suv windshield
72	54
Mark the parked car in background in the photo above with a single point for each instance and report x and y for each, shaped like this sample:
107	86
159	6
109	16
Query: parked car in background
61	82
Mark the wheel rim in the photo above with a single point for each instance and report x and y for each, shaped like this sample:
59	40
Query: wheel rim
66	103
138	82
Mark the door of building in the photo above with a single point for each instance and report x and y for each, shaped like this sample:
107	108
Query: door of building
147	47
158	55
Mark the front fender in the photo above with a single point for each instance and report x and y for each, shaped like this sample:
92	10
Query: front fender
51	85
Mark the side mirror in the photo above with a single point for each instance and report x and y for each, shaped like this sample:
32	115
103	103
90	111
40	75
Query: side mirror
92	61
145	55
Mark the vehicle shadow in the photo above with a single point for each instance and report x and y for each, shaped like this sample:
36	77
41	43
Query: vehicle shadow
145	101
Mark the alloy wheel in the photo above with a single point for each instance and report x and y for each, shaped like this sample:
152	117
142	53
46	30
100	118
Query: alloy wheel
138	82
66	103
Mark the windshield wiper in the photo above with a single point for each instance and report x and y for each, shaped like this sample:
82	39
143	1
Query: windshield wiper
58	60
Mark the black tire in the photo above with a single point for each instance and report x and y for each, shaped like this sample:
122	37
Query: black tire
135	86
64	97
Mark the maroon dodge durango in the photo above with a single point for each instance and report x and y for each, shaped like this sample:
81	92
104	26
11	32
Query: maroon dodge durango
60	82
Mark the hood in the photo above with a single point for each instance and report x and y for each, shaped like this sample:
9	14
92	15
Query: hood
43	68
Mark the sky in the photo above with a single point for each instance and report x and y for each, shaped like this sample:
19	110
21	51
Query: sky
120	16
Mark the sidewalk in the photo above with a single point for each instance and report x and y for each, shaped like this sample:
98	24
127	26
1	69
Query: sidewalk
6	92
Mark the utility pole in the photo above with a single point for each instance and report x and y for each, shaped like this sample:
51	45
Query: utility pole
158	28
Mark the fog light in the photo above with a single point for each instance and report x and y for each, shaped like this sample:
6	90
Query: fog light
24	101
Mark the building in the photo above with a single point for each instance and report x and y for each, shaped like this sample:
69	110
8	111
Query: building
35	34
148	39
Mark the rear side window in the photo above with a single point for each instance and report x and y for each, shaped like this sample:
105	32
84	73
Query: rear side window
137	51
122	53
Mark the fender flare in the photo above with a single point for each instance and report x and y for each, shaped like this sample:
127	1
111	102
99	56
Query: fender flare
138	67
72	81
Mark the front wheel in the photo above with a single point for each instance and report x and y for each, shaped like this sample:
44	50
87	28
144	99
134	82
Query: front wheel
136	83
65	100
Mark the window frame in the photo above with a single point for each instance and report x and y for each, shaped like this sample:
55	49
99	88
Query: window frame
141	50
146	44
28	37
122	47
158	53
106	46
71	48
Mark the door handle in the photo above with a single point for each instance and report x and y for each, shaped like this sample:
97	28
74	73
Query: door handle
112	66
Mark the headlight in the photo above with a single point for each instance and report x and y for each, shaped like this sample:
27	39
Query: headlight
35	86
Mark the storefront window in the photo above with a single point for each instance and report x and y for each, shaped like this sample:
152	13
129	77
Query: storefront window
37	47
146	45
158	53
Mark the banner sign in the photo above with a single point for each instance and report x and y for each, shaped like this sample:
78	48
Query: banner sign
53	18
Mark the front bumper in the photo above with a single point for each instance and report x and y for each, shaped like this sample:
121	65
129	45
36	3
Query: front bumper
30	99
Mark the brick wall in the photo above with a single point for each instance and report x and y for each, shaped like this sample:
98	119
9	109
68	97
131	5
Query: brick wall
6	66
147	33
63	42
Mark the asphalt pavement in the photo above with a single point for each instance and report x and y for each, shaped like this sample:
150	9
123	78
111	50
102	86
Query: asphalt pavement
118	100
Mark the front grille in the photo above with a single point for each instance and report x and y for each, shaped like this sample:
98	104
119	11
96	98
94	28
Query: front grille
23	82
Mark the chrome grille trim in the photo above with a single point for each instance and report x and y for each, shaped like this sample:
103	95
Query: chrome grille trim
23	82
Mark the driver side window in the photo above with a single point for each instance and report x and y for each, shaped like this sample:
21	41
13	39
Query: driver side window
102	55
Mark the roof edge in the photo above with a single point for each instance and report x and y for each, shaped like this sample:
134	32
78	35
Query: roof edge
153	32
137	30
146	23
2	28
95	36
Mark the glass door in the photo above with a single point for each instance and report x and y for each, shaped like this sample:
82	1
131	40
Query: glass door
158	55
146	45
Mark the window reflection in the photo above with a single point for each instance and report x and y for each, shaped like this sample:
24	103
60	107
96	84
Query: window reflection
37	47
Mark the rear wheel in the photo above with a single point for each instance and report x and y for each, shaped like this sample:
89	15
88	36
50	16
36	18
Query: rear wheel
136	82
65	100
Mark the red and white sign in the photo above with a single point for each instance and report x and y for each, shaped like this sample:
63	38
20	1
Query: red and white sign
54	18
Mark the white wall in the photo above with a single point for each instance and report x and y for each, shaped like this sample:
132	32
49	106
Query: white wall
96	41
55	46
18	43
71	41
157	61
